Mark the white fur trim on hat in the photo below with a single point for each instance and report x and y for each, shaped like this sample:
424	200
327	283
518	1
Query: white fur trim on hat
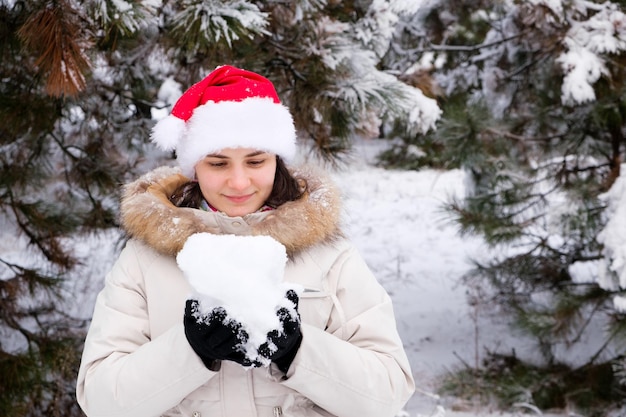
167	133
257	123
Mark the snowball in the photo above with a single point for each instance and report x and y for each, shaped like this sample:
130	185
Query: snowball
243	274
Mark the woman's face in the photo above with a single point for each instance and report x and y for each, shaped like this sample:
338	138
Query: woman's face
237	181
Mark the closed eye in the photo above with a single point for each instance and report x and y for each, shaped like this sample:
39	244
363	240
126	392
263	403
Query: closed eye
216	164
256	162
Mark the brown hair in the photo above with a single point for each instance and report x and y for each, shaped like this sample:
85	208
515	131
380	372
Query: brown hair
286	188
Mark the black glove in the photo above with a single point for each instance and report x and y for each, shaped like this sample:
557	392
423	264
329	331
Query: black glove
215	339
281	346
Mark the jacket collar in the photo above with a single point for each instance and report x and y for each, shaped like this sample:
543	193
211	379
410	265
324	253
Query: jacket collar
147	214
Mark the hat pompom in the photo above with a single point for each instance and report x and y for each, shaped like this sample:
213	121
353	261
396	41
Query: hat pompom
167	133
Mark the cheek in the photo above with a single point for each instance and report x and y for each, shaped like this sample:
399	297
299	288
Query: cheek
268	181
208	183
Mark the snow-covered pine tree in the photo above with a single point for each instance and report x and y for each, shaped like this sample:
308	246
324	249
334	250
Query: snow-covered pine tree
85	83
68	140
328	55
533	101
32	210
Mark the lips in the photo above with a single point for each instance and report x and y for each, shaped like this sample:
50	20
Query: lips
238	199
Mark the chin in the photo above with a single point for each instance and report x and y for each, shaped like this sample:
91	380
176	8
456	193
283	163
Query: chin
239	212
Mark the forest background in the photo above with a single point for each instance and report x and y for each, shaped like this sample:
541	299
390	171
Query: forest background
526	97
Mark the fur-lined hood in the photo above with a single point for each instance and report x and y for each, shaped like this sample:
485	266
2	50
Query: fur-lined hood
148	215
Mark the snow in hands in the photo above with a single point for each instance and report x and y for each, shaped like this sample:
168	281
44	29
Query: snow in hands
244	276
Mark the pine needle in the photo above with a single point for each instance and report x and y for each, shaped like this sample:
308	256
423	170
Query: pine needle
53	33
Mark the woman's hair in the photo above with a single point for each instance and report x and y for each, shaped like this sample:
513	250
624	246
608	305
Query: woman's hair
286	188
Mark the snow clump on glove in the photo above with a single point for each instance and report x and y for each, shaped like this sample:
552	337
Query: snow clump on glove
244	276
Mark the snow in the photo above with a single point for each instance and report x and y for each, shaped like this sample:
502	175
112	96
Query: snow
218	20
169	92
602	33
613	237
582	68
250	291
555	5
396	220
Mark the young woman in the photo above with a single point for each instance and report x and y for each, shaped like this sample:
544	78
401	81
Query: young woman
147	354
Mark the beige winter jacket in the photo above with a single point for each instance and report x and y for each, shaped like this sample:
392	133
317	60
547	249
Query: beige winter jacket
138	363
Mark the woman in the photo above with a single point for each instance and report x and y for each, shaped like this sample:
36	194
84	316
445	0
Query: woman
148	354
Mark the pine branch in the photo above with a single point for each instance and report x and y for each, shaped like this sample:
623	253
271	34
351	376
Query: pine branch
456	48
28	217
53	33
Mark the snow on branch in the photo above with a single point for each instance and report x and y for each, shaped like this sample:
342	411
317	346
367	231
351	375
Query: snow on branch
211	21
126	17
612	273
586	42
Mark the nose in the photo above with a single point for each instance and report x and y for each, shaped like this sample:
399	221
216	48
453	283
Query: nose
239	179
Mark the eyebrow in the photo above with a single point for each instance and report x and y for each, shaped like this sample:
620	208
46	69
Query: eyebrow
215	155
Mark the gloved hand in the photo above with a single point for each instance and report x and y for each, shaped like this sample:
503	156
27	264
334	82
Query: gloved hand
214	338
281	346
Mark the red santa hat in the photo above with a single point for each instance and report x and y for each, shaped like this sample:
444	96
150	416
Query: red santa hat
230	108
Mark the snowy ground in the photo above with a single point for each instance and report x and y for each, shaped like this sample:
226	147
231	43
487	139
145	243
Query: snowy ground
396	220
